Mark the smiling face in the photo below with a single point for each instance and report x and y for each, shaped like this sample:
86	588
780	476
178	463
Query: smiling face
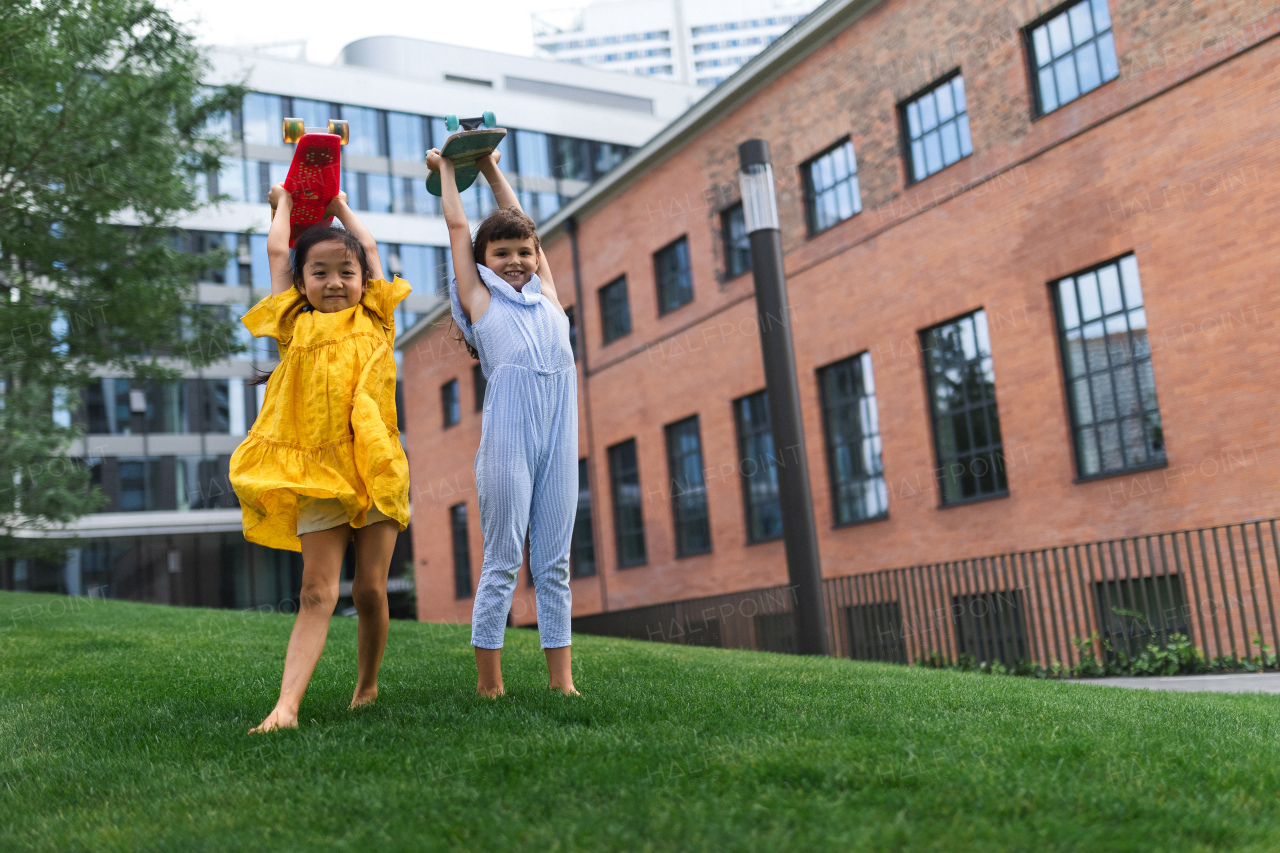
331	278
515	260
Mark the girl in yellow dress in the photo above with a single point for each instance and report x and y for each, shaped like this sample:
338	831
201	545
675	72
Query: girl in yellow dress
323	463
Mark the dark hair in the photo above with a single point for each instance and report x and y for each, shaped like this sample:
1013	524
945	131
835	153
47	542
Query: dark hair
310	238
505	223
318	234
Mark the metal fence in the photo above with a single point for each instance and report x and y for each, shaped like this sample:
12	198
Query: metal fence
1214	585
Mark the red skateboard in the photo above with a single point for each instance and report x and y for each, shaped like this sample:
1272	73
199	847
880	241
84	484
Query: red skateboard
314	173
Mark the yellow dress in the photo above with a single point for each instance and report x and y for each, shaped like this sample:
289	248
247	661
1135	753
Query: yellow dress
327	428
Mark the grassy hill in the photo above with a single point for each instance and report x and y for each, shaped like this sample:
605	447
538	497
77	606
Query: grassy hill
123	727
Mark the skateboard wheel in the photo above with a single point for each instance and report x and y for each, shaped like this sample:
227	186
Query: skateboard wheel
294	128
489	120
341	129
451	122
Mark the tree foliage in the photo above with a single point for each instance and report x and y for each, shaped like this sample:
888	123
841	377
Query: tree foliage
105	123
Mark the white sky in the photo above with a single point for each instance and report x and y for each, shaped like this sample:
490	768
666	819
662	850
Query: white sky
327	25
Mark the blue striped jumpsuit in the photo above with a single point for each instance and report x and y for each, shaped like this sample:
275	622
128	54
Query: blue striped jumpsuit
527	464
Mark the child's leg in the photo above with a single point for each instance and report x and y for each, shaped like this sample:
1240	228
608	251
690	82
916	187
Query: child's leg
374	545
322	554
555	502
504	480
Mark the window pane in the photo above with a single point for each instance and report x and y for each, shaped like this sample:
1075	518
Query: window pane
1081	23
363	125
1048	91
378	193
1040	39
966	422
312	113
263	119
913	120
1117	389
1101	16
853	440
946	107
689	493
628	521
1107	54
1059	35
966	143
1064	75
404	137
950	143
1087	67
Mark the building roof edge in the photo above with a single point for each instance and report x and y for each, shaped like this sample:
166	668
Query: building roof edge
418	329
818	27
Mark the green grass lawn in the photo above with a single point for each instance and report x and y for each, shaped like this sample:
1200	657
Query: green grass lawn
123	727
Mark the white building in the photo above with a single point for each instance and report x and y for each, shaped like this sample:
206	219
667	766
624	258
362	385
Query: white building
697	42
171	532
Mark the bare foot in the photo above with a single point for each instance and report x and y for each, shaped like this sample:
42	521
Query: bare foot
275	721
568	690
489	691
363	697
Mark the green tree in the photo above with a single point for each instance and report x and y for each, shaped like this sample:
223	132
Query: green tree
106	126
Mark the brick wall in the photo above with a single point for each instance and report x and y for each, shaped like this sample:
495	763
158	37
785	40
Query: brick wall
1174	161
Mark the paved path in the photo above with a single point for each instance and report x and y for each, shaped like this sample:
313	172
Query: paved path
1249	682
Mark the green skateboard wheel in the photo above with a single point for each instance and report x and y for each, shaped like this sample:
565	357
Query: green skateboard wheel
293	130
489	120
451	122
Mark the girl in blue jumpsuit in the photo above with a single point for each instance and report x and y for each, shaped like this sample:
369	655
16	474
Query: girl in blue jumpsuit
527	465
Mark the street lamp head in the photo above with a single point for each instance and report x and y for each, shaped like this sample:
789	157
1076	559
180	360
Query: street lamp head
755	178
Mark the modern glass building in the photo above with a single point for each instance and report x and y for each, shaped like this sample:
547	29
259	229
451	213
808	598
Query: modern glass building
160	453
700	42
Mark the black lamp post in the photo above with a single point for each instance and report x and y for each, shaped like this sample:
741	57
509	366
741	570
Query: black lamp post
760	210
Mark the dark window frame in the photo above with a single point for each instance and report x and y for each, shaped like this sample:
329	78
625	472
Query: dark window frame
479	385
686	515
810	195
461	543
829	448
732	270
931	392
618	284
451	406
745	454
905	125
583	537
1073	425
664	283
613	452
1029	52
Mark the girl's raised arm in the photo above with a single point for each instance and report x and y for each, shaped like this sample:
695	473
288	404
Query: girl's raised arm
502	192
506	197
472	292
339	208
278	240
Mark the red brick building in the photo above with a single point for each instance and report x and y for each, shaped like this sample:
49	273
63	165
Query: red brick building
1028	250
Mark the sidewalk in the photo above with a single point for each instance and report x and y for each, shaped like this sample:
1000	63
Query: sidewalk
1248	682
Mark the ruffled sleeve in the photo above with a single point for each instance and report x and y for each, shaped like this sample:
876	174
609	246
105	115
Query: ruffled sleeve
460	316
381	298
275	316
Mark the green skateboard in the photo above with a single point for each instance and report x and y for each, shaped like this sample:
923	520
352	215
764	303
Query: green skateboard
477	138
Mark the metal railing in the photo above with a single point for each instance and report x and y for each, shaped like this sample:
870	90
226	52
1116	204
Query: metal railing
1215	585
